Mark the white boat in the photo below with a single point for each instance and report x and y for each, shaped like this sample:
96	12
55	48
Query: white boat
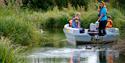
74	36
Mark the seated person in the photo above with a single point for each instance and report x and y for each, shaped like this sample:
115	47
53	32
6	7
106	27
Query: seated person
70	21
76	21
109	22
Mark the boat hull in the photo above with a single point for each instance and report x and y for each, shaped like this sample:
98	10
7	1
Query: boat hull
74	36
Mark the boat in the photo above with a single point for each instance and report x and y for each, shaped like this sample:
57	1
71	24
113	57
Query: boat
75	37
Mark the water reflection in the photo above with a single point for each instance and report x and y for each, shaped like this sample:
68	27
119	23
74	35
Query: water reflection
65	55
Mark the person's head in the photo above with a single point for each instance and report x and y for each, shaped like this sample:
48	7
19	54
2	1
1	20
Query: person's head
102	4
109	17
77	14
99	7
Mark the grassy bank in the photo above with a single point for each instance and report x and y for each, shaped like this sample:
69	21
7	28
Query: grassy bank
10	53
14	26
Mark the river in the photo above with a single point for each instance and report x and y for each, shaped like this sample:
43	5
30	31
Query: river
63	53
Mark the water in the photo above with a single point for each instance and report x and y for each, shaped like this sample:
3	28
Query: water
66	54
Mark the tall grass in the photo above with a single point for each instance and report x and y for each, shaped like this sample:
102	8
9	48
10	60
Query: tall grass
58	18
10	53
17	28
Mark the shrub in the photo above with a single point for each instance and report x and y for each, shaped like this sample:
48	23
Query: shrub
49	4
20	32
88	18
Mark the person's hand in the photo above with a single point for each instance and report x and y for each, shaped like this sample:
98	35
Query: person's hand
97	21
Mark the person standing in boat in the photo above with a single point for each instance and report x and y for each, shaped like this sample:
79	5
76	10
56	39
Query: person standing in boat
76	21
102	19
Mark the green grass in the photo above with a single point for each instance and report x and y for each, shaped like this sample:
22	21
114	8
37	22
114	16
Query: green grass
10	53
15	26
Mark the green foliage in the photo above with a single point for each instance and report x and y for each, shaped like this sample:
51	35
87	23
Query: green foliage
10	53
57	19
61	3
80	3
118	21
18	29
119	4
88	17
118	18
49	4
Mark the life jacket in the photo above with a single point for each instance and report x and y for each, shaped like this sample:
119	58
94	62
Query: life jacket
109	24
70	23
75	24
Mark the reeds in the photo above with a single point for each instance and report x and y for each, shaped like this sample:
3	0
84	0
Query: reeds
10	53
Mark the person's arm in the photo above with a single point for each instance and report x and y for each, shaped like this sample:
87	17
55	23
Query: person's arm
100	17
103	11
79	25
73	24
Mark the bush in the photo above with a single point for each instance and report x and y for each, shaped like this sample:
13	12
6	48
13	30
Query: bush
20	32
87	18
49	4
119	4
62	3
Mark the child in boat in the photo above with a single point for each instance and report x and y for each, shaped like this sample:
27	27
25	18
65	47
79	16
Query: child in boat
70	21
76	21
109	22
